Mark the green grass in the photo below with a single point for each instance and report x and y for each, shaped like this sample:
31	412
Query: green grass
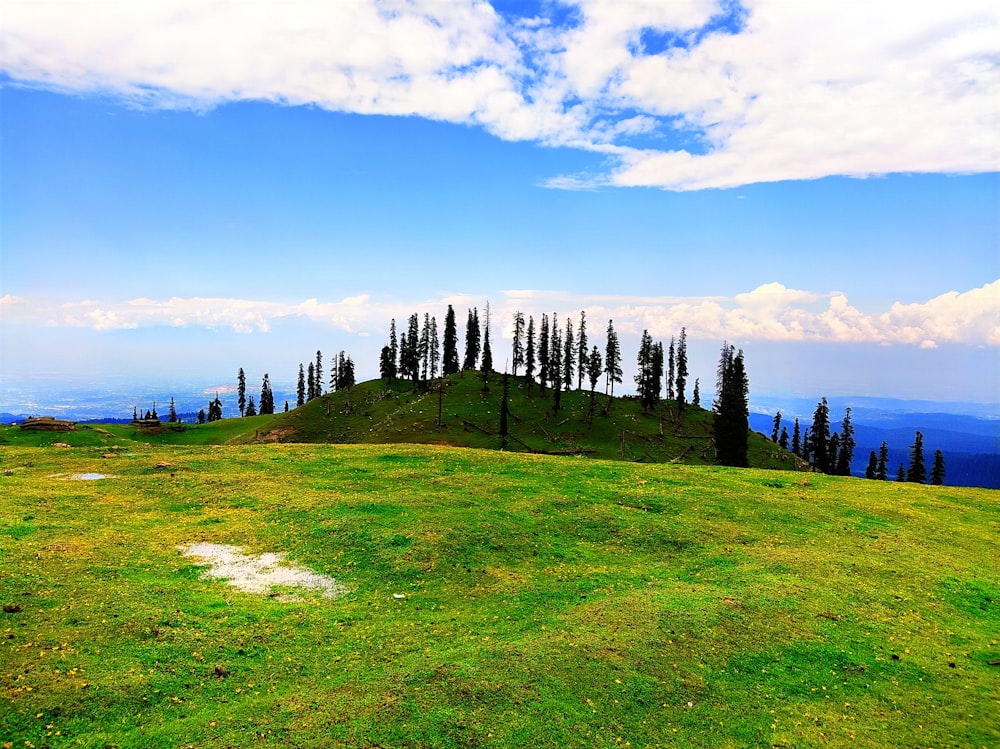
550	601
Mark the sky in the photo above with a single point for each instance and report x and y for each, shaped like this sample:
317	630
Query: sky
187	188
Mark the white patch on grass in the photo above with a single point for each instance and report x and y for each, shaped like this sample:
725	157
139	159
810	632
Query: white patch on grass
259	574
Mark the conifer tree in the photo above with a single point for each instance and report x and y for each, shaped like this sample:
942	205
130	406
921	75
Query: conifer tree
917	473
435	349
487	362
450	364
385	364
569	356
412	366
318	374
172	413
657	385
215	409
819	441
871	472
266	396
286	406
644	372
346	370
529	353
300	388
796	440
250	409
241	391
882	469
517	354
682	368
776	426
595	368
612	360
696	395
937	469
393	349
472	341
543	354
671	367
555	364
783	439
731	409
424	353
581	350
311	382
901	474
201	415
847	445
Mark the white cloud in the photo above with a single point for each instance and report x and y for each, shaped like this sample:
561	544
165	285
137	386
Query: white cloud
803	90
770	312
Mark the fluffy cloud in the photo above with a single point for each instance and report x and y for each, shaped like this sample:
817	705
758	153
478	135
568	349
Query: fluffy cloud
768	90
770	312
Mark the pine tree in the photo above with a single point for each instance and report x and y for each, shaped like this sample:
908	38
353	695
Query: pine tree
731	409
937	470
435	349
250	409
311	382
901	474
612	360
847	445
424	348
393	350
472	341
796	440
412	367
682	368
882	469
286	406
346	369
529	353
569	356
871	472
783	439
555	364
300	388
215	409
658	369
241	391
172	413
776	426
581	350
266	396
487	362
644	372
543	354
671	367
317	373
917	473
201	415
385	364
819	440
450	363
595	368
517	354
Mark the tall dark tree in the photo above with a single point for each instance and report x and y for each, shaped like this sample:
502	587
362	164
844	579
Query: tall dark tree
435	348
286	406
517	352
612	360
917	472
250	409
529	353
871	472
318	374
300	387
425	348
882	469
266	396
581	350
543	354
847	445
783	439
201	415
819	440
172	413
595	368
644	373
696	396
901	473
215	409
346	379
937	469
682	368
411	368
449	365
487	362
569	356
473	342
311	382
393	349
776	425
731	409
671	369
796	439
658	371
555	364
386	366
241	391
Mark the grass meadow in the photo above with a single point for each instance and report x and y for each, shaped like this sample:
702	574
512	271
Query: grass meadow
495	600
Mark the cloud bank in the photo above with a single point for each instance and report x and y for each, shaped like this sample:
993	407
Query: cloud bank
684	95
770	312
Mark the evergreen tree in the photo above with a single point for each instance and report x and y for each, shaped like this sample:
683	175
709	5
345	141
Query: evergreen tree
424	347
215	409
901	474
241	391
529	353
201	415
937	469
555	364
347	380
796	440
487	362
696	395
783	439
172	413
644	372
335	371
882	469
819	441
671	367
581	350
435	348
917	473
403	368
266	396
450	364
658	372
776	426
731	409
543	354
286	406
250	409
317	373
472	340
300	388
847	445
517	354
682	368
871	472
833	451
595	368
569	356
393	350
385	364
411	368
612	360
311	382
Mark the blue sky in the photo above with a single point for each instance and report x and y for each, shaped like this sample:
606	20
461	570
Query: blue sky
191	188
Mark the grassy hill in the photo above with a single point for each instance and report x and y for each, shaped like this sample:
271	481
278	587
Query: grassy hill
495	600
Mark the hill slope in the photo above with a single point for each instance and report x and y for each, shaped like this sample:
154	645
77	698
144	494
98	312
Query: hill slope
371	413
495	600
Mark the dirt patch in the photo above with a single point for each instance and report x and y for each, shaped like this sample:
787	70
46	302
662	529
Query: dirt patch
259	574
279	434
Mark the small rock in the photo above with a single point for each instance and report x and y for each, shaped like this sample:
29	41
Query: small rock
11	608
